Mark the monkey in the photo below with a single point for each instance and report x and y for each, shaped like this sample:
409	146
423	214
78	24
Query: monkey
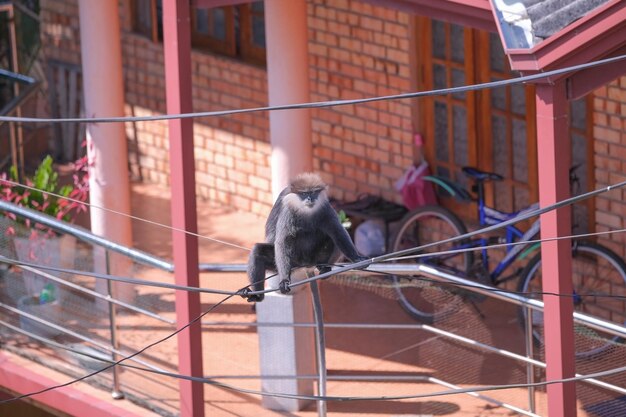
302	230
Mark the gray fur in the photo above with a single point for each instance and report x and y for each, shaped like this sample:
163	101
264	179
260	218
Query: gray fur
301	231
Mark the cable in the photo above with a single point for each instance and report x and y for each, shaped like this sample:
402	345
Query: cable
320	104
158	284
139	352
213	381
286	107
503	245
128	280
130	216
485	287
409	251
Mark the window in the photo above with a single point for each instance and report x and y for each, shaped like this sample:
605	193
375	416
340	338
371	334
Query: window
146	17
235	31
493	129
581	132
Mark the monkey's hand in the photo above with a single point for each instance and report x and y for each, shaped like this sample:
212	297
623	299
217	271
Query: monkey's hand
284	286
251	298
361	259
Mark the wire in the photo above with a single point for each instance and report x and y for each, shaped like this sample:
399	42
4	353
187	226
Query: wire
504	245
486	287
216	383
320	104
212	381
529	214
158	284
128	280
130	216
444	91
139	352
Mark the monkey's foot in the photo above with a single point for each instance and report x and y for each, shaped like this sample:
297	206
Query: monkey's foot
361	259
251	298
284	286
324	269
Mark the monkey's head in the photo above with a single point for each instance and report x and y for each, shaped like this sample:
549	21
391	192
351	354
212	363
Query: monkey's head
306	190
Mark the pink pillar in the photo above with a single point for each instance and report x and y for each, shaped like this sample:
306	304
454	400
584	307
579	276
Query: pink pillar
177	49
554	162
104	96
288	80
103	90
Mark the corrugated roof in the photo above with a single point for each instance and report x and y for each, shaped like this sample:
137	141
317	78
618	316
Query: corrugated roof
525	23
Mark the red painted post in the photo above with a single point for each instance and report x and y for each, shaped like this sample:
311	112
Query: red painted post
177	50
554	162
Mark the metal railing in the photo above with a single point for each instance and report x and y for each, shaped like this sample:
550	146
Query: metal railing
318	324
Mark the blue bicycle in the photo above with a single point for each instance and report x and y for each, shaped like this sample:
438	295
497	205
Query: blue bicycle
597	271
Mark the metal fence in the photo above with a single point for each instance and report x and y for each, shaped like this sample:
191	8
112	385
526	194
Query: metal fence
364	344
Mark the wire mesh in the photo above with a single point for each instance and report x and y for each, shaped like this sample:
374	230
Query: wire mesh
84	316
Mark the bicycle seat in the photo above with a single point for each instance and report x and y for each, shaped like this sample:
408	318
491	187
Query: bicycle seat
481	175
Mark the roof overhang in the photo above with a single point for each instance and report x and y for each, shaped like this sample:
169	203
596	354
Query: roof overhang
596	35
472	13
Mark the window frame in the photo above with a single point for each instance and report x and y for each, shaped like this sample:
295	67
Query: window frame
480	140
238	44
478	112
151	31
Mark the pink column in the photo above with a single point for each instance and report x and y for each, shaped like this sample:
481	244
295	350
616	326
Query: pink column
554	162
177	49
288	83
104	96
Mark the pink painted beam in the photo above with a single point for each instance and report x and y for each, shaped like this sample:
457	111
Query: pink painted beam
553	149
177	50
473	13
209	4
17	377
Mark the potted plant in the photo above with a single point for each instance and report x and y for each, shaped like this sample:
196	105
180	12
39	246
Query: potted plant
36	243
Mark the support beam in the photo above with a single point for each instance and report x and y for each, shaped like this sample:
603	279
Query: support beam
177	51
554	162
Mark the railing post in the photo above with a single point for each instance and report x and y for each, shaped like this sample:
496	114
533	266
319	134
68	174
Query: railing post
116	393
530	368
320	348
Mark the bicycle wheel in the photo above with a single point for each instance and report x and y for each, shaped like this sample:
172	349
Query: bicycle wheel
425	301
597	273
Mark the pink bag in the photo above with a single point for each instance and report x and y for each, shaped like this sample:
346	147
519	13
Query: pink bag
416	191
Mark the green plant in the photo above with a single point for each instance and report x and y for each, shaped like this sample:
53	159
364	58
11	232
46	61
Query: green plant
344	219
42	192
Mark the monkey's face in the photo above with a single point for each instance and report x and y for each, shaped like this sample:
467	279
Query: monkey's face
305	200
309	197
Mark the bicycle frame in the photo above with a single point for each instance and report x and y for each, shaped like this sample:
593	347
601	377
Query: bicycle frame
489	216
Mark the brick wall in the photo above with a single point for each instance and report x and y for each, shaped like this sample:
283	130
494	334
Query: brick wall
232	152
358	51
609	132
60	30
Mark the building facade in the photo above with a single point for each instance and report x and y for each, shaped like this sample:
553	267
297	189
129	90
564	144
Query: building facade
356	50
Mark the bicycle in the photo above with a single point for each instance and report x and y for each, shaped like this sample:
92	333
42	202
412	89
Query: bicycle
597	270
